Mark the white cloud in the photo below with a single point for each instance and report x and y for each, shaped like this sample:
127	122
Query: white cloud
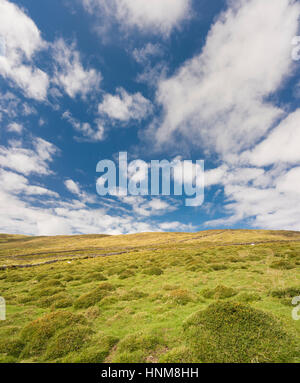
282	144
22	40
217	100
15	127
28	161
85	128
147	52
124	106
155	16
16	184
72	187
70	74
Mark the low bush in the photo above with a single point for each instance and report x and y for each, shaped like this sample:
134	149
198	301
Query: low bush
90	299
282	265
180	297
219	292
67	340
37	333
153	271
230	332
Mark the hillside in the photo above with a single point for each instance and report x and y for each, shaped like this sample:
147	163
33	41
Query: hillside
151	297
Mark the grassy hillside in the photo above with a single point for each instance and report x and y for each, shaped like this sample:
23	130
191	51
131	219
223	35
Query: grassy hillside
212	296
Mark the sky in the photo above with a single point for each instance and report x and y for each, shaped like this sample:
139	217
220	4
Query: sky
212	80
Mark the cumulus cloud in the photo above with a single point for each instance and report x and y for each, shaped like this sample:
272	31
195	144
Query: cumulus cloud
281	145
218	99
95	133
20	41
124	106
28	161
15	127
70	75
155	16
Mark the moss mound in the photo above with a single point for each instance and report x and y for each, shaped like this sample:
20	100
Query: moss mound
289	292
138	342
228	332
282	265
67	340
37	334
153	271
180	297
219	292
90	299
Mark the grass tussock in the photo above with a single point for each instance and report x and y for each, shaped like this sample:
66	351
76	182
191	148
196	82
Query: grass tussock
228	332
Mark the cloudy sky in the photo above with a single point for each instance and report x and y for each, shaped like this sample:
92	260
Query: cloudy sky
82	80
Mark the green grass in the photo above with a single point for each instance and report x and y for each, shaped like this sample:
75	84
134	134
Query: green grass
164	298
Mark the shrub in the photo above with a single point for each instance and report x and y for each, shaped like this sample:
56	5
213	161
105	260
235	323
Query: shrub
138	341
37	333
48	291
133	295
180	297
247	297
96	276
219	292
126	274
12	347
46	302
153	271
67	340
92	312
282	265
288	292
228	332
106	286
90	299
50	283
218	266
62	303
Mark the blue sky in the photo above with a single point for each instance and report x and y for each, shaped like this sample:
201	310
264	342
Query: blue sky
212	80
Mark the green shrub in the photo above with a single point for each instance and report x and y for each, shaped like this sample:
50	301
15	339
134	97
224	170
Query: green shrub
12	347
126	274
67	340
180	297
47	291
247	297
218	266
138	341
92	277
37	333
219	292
229	332
50	283
289	292
62	303
153	271
282	265
106	286
90	299
133	295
